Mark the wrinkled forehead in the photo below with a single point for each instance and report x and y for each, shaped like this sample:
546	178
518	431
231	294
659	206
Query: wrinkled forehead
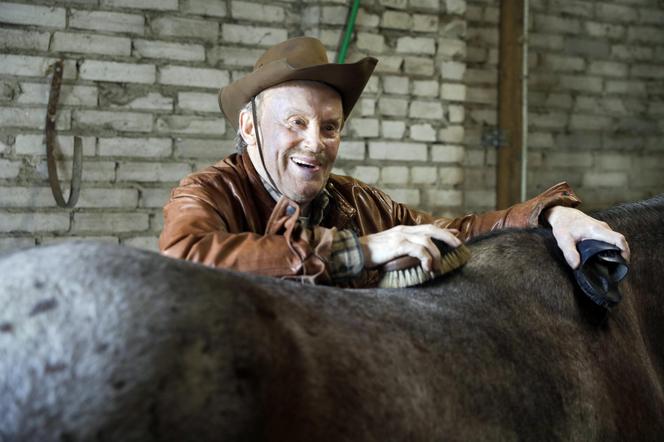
304	94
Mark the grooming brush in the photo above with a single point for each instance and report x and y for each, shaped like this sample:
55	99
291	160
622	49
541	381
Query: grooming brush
406	271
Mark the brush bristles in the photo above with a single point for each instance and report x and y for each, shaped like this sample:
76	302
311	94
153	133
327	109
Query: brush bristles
416	275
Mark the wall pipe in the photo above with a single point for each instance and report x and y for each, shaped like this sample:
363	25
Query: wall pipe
350	24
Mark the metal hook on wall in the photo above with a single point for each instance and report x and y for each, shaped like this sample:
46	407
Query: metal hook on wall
51	142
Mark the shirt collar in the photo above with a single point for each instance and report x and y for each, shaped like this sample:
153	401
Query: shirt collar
316	208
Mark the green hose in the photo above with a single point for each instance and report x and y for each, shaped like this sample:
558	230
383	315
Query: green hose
341	57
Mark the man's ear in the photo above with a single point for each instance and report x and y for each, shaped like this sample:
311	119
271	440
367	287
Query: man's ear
247	127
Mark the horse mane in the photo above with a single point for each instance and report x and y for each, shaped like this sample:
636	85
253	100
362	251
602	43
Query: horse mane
648	212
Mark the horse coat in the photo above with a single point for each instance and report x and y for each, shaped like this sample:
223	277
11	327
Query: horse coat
101	342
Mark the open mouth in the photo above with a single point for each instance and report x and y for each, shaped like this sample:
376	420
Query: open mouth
306	163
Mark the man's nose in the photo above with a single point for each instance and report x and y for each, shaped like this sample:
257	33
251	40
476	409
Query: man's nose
312	139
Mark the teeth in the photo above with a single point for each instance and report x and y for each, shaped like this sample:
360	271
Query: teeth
299	163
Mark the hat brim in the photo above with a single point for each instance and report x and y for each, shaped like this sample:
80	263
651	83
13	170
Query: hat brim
348	80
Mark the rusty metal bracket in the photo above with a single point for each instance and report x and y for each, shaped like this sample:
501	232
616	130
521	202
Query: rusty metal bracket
51	143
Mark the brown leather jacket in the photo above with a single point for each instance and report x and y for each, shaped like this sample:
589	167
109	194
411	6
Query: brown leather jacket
223	217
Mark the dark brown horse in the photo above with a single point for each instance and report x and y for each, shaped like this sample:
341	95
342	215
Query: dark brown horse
100	342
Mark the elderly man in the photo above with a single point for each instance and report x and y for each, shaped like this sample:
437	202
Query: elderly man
274	208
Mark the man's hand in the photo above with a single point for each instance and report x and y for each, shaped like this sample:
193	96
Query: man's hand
414	241
571	226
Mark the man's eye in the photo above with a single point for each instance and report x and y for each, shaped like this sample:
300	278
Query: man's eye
298	122
330	128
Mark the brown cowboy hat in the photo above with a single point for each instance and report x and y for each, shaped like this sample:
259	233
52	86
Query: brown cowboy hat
300	58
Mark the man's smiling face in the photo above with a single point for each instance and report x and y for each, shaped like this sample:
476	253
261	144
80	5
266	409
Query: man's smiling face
300	128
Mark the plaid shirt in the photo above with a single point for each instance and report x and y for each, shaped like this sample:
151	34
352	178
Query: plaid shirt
346	259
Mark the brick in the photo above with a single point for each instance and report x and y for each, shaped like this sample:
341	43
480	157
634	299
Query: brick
103	171
409	197
135	147
257	12
613	162
118	72
548	120
38	93
456	114
540	140
590	122
204	7
90	43
32	118
152	171
608	69
228	55
432	110
203	148
252	35
565	159
372	86
182	124
122	121
34	222
22	39
425	88
585	140
396	107
15	244
185	27
456	7
366	20
198	102
581	83
153	198
562	63
334	15
370	42
389	150
572	7
29	66
394	4
367	107
364	127
20	14
632	52
396	20
173	51
545	41
485	36
424	175
422	132
593	48
453	92
150	243
108	198
451	49
395	85
625	87
151	101
393	129
352	150
418	66
162	5
394	175
556	24
480	198
444	198
28	144
366	174
604	179
481	95
110	222
389	64
451	176
425	23
647	71
107	21
612	12
604	30
416	45
199	77
9	169
452	70
451	134
425	4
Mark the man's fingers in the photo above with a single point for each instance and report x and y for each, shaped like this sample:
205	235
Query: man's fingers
568	246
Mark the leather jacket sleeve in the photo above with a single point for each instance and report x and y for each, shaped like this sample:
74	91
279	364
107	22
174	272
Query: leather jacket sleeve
525	214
